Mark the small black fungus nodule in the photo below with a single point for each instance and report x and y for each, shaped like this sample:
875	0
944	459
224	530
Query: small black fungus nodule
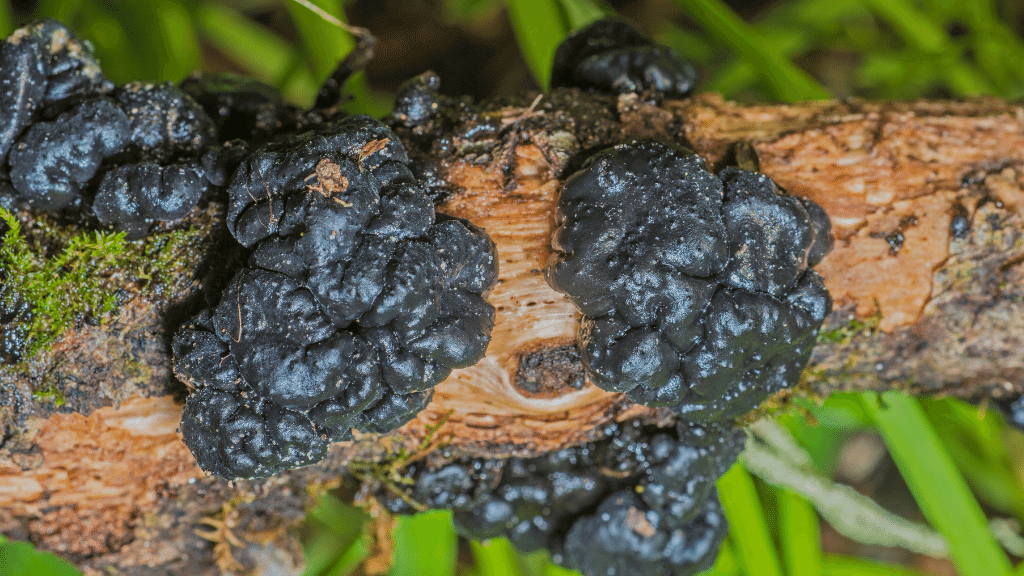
696	287
357	300
159	175
641	501
242	108
1013	410
611	55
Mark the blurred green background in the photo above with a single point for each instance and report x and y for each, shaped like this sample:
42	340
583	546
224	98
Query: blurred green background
937	485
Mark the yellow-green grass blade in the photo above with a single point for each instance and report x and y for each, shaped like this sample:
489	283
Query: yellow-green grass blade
324	44
582	12
265	55
495	557
938	487
748	529
6	21
553	569
539	27
788	82
800	535
21	559
425	545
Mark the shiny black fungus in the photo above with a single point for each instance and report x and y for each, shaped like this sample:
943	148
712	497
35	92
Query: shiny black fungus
44	68
162	172
165	123
72	71
22	87
557	501
695	288
241	108
135	196
357	299
612	55
417	100
626	536
232	437
15	316
53	160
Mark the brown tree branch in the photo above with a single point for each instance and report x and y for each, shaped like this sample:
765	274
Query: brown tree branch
105	480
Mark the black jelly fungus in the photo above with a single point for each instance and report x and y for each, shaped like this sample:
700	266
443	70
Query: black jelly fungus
695	288
53	159
643	496
357	299
612	55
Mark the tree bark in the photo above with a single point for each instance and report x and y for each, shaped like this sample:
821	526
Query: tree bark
105	481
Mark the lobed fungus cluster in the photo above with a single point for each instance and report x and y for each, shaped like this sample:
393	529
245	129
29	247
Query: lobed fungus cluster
356	298
697	295
639	501
356	301
696	288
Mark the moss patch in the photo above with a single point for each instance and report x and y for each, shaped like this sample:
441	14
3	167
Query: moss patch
55	277
845	334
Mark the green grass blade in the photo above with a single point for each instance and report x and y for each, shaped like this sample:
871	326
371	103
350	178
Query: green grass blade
425	545
6	21
915	27
323	43
495	557
336	537
267	56
788	82
553	569
927	35
582	12
21	559
725	563
539	27
800	535
846	566
179	43
58	10
748	528
937	486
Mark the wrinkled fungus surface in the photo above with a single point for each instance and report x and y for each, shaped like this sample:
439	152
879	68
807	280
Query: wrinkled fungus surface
696	288
71	140
642	501
357	300
159	174
613	56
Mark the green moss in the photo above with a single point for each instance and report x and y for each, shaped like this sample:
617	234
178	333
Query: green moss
845	334
49	394
61	288
56	276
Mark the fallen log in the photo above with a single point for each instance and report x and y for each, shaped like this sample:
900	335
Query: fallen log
926	200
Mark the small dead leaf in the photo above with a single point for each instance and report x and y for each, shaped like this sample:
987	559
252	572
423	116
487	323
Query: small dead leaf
638	523
371	147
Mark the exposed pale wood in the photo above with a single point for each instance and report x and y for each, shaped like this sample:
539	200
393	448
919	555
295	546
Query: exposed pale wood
113	485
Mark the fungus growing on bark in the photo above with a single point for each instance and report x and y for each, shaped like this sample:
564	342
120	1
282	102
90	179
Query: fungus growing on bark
612	55
45	68
241	108
643	496
161	175
695	288
357	300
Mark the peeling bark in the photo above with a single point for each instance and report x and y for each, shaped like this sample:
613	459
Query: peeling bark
105	481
